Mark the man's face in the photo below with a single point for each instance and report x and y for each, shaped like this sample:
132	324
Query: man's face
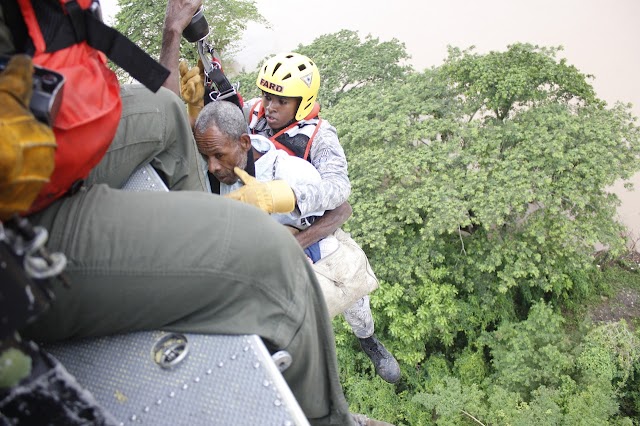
279	110
222	153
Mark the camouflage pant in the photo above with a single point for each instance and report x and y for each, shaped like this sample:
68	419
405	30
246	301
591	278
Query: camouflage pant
359	318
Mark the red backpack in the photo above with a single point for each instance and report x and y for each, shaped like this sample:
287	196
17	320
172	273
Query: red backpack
67	38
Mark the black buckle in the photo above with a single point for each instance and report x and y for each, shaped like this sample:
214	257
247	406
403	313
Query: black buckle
77	17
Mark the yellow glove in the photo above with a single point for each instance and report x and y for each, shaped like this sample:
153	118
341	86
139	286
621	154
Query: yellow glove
27	146
275	196
192	87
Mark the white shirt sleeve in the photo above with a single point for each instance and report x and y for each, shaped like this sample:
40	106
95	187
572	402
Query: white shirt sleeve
297	173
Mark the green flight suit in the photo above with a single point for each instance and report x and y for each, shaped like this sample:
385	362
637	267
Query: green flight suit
185	260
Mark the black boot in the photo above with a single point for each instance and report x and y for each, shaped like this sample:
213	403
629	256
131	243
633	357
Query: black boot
386	365
362	420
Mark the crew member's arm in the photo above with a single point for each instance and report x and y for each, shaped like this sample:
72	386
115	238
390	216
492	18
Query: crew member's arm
325	225
299	173
177	16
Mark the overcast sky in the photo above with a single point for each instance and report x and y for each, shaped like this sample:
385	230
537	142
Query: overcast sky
599	37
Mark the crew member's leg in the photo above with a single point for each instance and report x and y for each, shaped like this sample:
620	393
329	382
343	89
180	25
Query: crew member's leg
153	129
192	262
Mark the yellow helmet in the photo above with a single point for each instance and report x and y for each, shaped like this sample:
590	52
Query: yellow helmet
291	75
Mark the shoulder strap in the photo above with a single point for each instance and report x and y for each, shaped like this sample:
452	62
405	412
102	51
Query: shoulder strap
54	26
217	87
282	140
13	20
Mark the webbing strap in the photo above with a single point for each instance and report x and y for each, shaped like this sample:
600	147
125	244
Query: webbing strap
223	89
76	16
62	30
125	53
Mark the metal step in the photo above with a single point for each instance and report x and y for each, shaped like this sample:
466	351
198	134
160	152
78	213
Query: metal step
145	178
194	379
158	378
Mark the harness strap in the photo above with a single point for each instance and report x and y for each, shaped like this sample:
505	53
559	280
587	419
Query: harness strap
77	20
125	53
60	30
221	90
282	139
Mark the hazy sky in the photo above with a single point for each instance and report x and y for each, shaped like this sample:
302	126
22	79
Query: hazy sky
599	37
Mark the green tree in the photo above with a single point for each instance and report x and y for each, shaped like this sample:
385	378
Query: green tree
474	198
534	379
478	188
532	353
346	63
142	22
608	353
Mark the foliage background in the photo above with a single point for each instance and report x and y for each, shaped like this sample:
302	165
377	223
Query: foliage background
478	195
142	21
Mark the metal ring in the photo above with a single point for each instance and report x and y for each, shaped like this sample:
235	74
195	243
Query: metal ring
170	350
282	359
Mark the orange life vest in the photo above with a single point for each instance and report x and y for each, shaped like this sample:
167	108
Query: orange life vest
297	138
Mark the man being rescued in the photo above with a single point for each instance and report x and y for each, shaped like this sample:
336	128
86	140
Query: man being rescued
230	152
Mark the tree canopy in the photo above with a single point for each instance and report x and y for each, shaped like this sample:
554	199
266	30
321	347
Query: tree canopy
142	22
346	63
479	190
479	195
469	194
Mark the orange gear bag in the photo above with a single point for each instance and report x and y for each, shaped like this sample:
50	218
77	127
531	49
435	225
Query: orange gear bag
90	109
